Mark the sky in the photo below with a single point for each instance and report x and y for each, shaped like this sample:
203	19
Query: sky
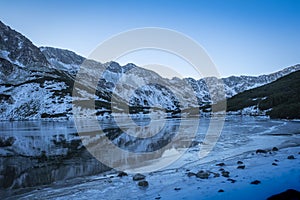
249	37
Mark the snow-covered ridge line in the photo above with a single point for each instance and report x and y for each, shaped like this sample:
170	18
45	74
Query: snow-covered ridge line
37	83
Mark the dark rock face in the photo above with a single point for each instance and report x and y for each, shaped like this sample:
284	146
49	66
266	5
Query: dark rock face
287	195
19	48
240	162
64	56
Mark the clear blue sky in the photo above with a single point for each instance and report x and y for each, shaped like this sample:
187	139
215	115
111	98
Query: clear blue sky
249	37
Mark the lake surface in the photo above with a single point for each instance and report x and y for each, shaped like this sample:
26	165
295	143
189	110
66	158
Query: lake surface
36	153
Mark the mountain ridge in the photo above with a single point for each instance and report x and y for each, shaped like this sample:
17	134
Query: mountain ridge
278	99
37	82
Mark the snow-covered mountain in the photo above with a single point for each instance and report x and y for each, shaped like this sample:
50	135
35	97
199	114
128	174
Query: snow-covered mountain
237	84
38	83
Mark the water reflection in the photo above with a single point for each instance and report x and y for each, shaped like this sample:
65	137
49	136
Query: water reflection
37	153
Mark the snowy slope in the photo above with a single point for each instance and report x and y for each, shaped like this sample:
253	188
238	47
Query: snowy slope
38	83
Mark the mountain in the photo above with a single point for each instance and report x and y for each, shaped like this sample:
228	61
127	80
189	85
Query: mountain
237	84
279	99
38	83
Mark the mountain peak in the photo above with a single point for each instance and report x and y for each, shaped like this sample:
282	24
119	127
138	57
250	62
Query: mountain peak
18	49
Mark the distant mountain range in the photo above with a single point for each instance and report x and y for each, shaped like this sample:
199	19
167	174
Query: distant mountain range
38	82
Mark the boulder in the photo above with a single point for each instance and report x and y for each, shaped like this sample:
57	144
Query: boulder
287	195
138	177
143	183
220	164
6	141
241	167
261	151
202	174
216	174
256	182
189	174
231	180
225	174
240	162
275	149
291	157
121	174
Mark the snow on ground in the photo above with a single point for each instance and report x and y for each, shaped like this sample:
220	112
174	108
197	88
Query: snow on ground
173	182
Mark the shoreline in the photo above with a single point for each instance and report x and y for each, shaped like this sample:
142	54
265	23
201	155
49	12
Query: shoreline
258	167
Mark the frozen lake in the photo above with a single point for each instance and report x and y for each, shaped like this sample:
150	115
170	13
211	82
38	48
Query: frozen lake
47	159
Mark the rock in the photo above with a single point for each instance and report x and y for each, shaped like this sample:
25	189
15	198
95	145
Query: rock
225	174
261	151
221	169
157	197
202	174
241	167
43	157
6	141
298	152
275	164
276	160
138	177
221	190
194	143
189	174
220	164
256	182
240	162
177	189
287	195
121	174
216	174
143	183
291	157
231	180
275	149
